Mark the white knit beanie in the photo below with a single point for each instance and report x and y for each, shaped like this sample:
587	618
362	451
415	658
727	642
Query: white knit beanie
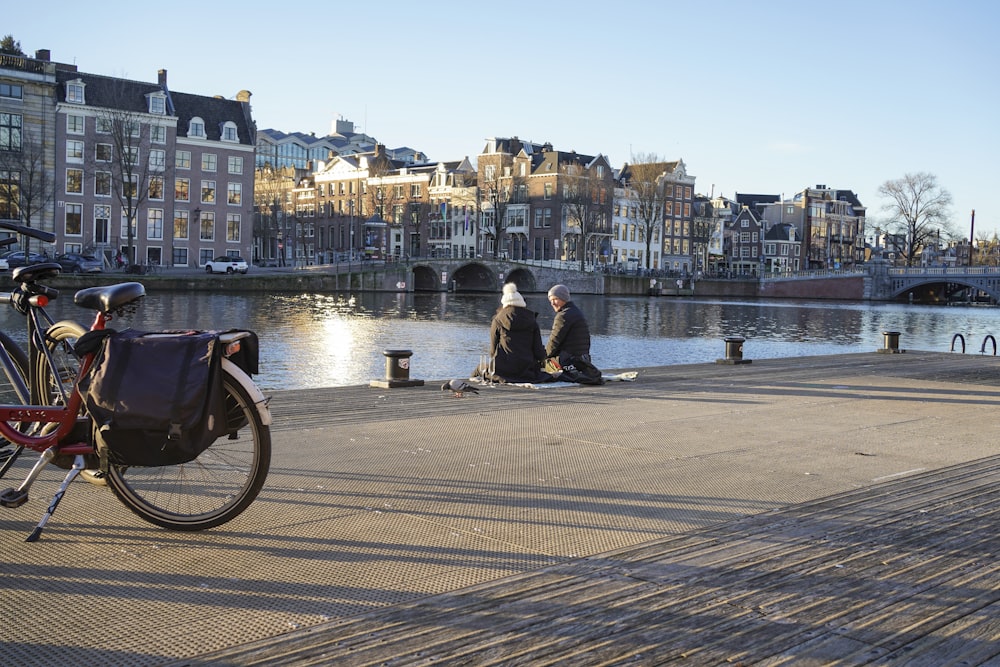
511	297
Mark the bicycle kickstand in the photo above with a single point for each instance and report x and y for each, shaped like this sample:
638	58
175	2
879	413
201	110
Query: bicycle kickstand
19	496
78	464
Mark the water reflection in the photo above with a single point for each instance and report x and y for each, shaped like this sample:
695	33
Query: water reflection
322	340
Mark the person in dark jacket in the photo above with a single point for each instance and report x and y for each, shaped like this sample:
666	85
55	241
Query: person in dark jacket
516	341
570	335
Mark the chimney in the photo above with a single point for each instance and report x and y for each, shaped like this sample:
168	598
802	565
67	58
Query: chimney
243	96
161	76
43	54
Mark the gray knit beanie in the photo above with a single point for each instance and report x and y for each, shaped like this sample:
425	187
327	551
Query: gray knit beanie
559	292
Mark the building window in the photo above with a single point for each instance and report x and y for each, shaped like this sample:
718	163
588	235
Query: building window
182	189
196	128
233	227
181	219
10	184
12	91
208	192
229	132
131	188
74	151
234	195
74	92
206	227
103	125
157	104
74	219
102	223
126	226
158	134
180	256
102	183
74	181
205	255
208	162
415	190
156	187
154	224
182	160
10	132
103	152
157	159
236	167
548	191
74	124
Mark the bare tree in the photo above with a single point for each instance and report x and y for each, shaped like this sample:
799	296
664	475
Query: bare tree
499	189
270	196
26	186
131	163
919	208
585	200
644	186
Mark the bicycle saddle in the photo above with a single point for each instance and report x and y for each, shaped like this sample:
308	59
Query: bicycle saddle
33	272
109	297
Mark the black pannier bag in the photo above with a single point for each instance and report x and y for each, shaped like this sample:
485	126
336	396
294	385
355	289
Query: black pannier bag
156	399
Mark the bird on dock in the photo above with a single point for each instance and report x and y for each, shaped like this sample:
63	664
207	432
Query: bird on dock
459	388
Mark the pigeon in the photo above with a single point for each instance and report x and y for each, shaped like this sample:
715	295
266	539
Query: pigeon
458	388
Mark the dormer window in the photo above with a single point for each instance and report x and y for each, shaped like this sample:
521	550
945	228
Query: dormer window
74	92
157	103
196	128
229	132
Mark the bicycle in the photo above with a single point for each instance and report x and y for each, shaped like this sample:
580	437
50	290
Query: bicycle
42	410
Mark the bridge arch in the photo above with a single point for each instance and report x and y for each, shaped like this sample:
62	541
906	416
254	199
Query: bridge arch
426	279
936	289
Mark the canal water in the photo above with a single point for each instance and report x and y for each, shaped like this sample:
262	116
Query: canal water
329	340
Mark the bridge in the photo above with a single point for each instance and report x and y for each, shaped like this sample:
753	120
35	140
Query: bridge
934	284
484	275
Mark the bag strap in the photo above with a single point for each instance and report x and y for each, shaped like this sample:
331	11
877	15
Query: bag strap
174	432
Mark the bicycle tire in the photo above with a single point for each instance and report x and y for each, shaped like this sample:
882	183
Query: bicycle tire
215	487
10	393
13	393
59	338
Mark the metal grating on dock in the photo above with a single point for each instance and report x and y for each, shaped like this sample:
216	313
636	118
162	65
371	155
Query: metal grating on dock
824	510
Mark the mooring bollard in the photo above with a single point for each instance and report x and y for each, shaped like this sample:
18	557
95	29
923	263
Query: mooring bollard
890	343
397	370
734	351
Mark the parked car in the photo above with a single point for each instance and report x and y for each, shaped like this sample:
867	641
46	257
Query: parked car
226	264
15	258
4	266
72	262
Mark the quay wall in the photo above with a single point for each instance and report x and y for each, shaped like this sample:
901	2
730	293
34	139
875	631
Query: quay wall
399	280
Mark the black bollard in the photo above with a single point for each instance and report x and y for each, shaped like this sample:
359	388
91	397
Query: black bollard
734	351
397	370
890	343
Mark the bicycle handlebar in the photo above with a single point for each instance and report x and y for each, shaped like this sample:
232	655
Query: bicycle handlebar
39	234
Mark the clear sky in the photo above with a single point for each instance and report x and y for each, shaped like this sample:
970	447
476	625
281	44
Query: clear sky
769	96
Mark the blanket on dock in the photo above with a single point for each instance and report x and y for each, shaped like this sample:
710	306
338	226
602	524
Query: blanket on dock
629	376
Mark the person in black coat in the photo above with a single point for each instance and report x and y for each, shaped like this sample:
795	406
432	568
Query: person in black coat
570	334
516	342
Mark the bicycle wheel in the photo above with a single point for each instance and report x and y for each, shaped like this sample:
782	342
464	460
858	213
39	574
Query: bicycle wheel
55	381
13	378
215	487
13	391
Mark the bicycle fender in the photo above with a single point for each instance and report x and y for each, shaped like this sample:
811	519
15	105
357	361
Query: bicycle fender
252	390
